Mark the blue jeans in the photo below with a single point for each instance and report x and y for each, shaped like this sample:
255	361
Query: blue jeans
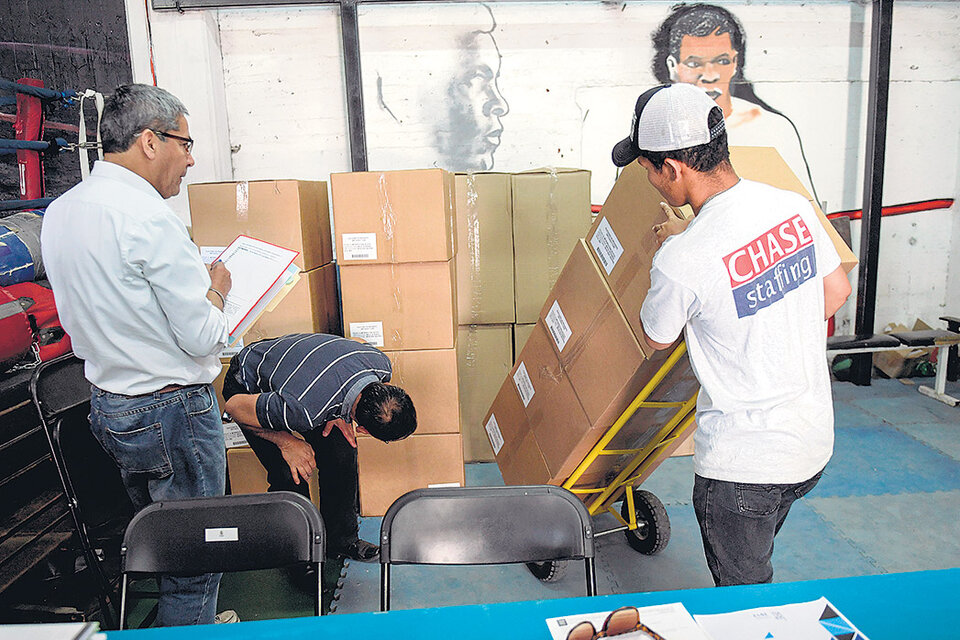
168	446
738	522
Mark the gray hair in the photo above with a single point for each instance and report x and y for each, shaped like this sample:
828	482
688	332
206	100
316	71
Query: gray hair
133	108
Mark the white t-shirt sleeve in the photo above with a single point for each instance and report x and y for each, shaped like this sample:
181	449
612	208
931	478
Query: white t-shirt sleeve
666	308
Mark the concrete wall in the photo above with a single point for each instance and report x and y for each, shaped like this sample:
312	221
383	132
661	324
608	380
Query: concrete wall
511	86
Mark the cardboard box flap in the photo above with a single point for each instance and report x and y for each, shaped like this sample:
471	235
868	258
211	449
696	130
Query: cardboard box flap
765	164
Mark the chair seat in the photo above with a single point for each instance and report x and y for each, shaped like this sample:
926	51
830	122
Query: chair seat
879	341
927	338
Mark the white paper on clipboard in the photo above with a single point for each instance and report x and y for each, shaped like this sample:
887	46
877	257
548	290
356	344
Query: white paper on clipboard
257	271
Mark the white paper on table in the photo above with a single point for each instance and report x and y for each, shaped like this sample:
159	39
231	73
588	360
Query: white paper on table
816	620
255	269
672	621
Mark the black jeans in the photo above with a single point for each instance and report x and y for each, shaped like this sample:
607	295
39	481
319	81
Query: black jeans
738	522
336	472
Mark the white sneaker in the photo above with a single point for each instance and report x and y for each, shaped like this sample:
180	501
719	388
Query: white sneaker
226	617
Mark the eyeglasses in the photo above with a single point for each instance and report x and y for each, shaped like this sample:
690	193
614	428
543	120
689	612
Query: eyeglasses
187	142
623	620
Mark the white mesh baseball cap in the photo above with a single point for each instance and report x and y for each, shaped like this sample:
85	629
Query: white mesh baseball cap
668	118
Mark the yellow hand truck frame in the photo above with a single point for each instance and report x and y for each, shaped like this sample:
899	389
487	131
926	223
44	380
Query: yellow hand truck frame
643	462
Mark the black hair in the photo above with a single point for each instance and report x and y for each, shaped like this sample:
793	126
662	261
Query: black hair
702	157
386	412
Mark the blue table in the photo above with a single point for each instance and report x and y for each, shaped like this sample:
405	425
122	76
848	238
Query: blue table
921	605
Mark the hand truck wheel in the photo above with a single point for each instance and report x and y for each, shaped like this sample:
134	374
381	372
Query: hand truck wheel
653	526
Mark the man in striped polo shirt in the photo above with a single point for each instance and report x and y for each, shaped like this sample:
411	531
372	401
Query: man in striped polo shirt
318	386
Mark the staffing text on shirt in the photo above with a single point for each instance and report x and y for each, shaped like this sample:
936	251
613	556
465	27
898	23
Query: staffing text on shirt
774	263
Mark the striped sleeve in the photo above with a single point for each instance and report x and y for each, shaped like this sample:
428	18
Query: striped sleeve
282	412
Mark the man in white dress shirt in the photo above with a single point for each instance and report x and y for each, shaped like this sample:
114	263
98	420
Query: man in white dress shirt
145	315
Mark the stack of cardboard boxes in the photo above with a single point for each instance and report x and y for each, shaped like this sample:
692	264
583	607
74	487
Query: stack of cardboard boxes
514	232
396	244
290	213
585	359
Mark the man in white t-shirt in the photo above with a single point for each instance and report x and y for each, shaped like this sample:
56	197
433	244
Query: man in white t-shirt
750	282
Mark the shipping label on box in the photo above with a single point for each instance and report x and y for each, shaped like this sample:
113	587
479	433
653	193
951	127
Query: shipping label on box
289	213
400	306
393	216
493	433
484	221
551	211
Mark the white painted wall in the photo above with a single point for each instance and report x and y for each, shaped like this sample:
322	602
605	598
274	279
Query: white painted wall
268	83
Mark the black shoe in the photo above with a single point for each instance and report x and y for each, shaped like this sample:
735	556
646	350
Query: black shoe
357	549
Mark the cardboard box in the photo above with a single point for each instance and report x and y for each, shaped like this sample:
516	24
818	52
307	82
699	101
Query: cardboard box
393	216
401	306
484	357
902	363
247	475
548	410
484	221
291	213
430	379
551	211
218	383
593	340
623	243
764	164
311	306
389	470
521	332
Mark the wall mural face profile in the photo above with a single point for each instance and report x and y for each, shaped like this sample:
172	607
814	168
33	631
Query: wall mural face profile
439	103
469	134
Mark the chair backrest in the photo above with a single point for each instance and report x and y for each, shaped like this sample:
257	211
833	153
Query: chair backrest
90	478
223	534
485	525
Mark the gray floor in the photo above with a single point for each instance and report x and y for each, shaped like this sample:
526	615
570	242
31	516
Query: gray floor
889	501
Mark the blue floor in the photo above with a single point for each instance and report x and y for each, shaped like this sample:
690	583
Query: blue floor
889	501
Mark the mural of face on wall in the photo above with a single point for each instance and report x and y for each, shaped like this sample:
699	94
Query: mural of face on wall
468	133
705	45
702	44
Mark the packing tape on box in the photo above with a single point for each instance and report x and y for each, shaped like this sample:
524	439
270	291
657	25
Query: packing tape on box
388	217
573	350
470	347
554	263
243	200
396	336
633	265
473	246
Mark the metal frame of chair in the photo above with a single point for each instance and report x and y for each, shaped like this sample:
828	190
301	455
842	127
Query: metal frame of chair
485	525
91	481
223	534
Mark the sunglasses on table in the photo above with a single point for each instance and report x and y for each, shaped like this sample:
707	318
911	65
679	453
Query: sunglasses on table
623	620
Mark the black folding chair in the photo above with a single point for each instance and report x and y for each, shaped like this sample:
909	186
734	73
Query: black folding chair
223	534
485	525
98	502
